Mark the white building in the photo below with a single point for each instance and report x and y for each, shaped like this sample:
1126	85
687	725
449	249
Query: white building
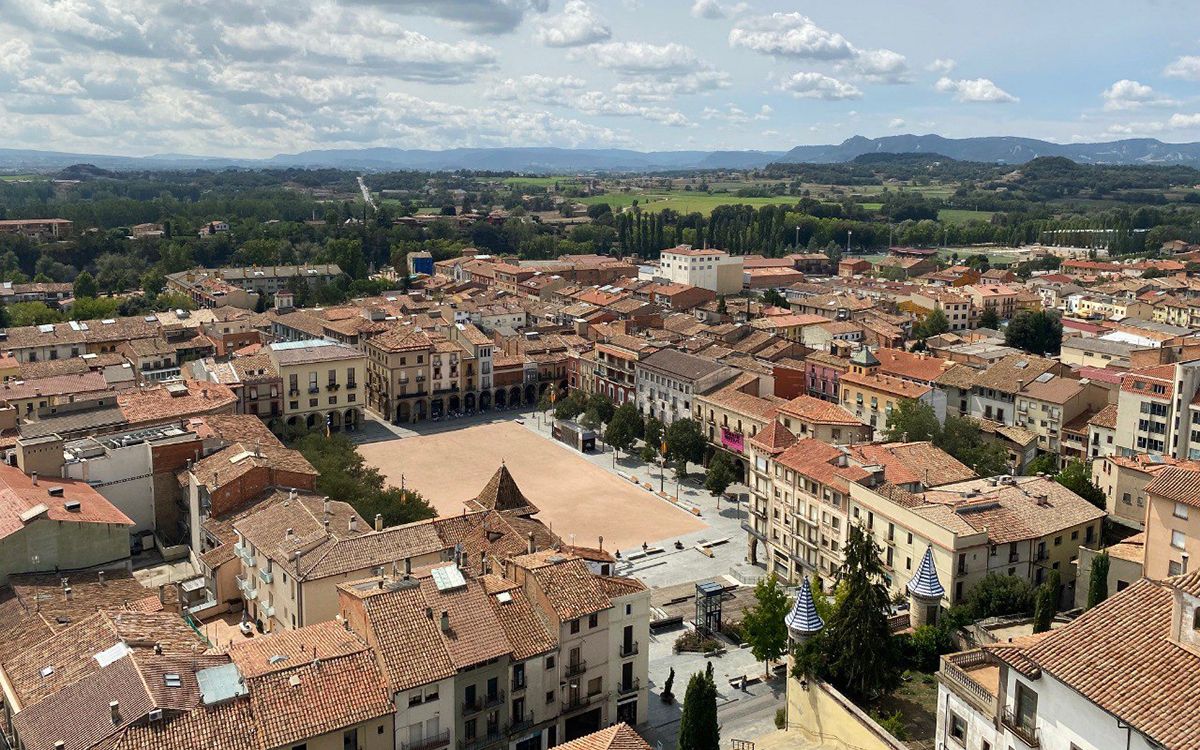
716	270
1122	676
669	380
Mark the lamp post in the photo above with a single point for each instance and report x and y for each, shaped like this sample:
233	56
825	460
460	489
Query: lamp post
849	234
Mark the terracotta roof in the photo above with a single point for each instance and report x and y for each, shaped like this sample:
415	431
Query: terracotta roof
316	698
1124	656
819	461
22	503
617	737
225	726
236	460
501	493
774	438
1005	374
1028	508
156	404
1179	484
570	587
917	367
762	407
290	648
525	627
918	462
886	384
245	428
814	410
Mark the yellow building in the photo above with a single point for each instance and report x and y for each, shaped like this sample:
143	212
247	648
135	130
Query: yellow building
323	381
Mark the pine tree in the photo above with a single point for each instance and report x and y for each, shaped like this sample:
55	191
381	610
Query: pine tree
861	656
698	728
1098	582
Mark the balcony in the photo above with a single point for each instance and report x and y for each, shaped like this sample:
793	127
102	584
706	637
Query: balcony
629	649
293	391
973	677
433	742
267	610
492	737
1025	732
483	701
520	725
517	685
627	688
575	702
332	386
314	389
266	576
575	668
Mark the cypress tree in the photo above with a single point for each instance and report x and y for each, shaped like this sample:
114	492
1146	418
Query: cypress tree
1098	582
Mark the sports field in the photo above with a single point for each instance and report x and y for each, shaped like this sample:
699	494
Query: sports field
574	495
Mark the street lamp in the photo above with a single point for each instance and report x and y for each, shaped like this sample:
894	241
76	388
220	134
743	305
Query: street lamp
849	234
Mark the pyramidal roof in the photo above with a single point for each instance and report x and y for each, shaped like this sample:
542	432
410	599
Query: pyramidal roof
774	438
804	618
925	583
501	493
864	357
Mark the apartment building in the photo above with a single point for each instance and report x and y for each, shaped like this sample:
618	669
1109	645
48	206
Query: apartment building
1049	404
732	414
398	373
1157	411
871	395
999	298
1123	480
617	358
1022	526
669	380
1115	677
715	270
1172	521
956	307
324	383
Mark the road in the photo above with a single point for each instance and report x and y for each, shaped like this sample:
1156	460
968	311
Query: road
366	193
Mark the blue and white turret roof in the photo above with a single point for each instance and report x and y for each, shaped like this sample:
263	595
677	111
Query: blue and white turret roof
804	618
925	583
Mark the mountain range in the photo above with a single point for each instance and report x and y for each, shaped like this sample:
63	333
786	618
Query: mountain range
990	149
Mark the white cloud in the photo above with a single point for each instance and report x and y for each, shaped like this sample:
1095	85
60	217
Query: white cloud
736	115
669	86
896	123
974	90
578	24
571	92
486	16
811	85
713	10
641	57
1180	121
942	65
880	66
1126	94
790	35
1187	67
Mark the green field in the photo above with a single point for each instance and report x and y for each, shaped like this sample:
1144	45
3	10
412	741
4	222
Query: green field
684	202
963	215
540	181
19	177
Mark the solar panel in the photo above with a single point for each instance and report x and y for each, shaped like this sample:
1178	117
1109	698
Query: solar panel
448	577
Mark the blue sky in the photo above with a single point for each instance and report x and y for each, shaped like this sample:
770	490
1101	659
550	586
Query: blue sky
258	77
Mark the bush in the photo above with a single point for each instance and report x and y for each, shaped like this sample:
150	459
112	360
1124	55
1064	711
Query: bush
693	641
780	718
925	645
733	631
893	724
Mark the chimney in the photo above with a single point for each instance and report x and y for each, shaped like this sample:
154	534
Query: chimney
100	576
327	506
33	477
353	524
291	534
162	593
532	546
114	708
292	494
379	522
59	745
483	563
407	567
445	621
601	543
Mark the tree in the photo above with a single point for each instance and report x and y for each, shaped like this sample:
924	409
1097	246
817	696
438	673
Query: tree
1098	580
912	420
997	595
861	655
602	406
763	625
773	298
934	324
85	285
988	319
572	406
652	433
719	475
1038	332
698	727
1046	463
32	314
1043	609
623	427
963	438
685	441
1076	477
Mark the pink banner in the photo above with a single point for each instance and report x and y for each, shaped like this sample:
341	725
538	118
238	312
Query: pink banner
731	440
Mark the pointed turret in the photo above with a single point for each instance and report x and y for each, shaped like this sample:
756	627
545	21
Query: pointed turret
803	622
925	592
502	494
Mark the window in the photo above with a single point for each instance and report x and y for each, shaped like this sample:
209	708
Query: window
593	620
1178	540
1181	511
574	626
958	728
549	697
550	661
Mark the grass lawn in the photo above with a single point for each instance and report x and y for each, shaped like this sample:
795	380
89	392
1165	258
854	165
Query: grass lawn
19	177
916	700
963	215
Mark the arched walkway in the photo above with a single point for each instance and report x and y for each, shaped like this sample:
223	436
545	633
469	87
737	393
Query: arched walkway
334	420
469	402
501	398
419	410
514	396
403	412
437	408
485	400
310	421
455	404
530	395
350	420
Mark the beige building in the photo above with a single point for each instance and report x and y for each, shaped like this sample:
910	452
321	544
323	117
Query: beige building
1049	402
1020	526
1172	522
1123	480
323	382
711	269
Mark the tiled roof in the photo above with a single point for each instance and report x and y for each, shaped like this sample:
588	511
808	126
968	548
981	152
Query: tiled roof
774	438
886	384
316	698
1124	656
501	493
156	405
617	737
1006	374
814	410
744	403
289	648
819	462
19	497
524	626
225	726
228	464
1028	508
916	367
245	428
1179	484
917	462
570	587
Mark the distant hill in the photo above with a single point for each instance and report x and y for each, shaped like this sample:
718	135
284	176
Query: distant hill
999	149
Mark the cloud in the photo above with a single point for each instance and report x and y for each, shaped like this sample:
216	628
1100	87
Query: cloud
942	65
736	115
896	123
713	10
484	16
1180	121
974	90
571	92
664	88
819	86
879	66
641	57
577	25
1126	94
790	35
1187	67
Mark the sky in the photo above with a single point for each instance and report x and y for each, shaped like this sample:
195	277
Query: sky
253	78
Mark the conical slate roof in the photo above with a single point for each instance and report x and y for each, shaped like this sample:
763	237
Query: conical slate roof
501	493
925	583
804	618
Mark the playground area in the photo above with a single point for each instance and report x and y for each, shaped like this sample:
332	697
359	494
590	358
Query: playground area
575	496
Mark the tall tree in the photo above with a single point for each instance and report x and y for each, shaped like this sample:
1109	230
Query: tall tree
912	420
1038	332
719	475
1043	609
623	427
861	655
698	727
85	286
1098	580
685	441
763	623
988	319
